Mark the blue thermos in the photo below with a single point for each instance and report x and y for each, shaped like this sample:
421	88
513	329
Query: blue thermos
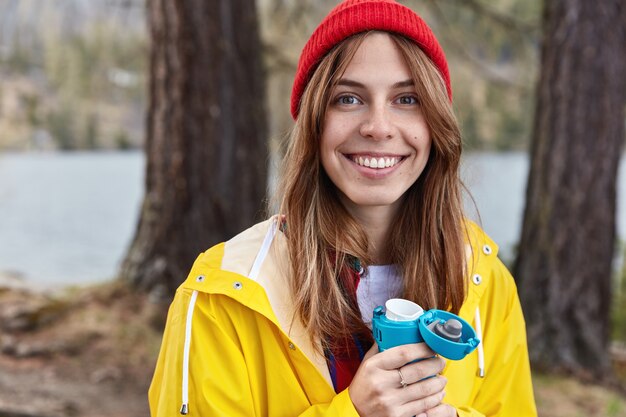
402	321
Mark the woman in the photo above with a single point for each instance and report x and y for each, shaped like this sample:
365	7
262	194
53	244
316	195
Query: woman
276	321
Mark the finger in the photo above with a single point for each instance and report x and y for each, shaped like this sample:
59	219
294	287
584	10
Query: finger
417	371
441	410
422	406
422	389
397	356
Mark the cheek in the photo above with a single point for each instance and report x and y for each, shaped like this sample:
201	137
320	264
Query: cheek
423	141
336	128
329	141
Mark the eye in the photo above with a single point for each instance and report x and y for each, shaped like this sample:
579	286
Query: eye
407	100
347	100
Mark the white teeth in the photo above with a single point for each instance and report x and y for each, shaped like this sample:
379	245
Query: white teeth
376	162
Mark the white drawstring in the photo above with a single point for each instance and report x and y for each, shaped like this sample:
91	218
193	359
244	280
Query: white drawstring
254	272
265	247
184	409
481	352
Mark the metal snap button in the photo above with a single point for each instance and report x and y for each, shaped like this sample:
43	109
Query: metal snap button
200	278
237	285
477	279
487	250
292	346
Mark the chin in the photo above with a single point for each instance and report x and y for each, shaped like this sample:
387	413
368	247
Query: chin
374	201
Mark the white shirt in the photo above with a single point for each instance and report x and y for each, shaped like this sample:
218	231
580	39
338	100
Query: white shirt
380	283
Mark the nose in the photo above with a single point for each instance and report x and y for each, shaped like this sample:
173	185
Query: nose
377	124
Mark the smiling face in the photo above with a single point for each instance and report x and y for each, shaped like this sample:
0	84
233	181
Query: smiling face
375	141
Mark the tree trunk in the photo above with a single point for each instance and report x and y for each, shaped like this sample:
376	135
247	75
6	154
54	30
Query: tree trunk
206	136
566	250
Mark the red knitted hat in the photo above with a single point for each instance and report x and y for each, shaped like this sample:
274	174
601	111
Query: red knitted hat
354	16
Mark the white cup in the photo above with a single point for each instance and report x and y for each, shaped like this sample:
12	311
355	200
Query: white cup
399	309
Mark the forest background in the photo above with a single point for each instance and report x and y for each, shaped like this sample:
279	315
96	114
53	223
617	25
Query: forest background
73	76
73	73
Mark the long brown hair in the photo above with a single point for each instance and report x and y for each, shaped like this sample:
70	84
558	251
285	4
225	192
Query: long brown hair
426	239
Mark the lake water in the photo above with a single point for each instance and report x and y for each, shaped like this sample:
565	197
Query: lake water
68	218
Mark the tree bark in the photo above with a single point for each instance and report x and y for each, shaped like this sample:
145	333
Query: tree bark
206	141
565	257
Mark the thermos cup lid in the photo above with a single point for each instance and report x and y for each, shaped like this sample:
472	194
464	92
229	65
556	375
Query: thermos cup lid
398	309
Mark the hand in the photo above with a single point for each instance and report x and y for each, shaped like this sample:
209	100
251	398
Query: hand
442	410
376	390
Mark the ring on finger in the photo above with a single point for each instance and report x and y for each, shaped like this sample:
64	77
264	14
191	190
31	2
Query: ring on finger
402	381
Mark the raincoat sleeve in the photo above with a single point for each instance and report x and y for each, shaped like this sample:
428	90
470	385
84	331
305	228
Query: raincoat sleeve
220	382
506	390
341	405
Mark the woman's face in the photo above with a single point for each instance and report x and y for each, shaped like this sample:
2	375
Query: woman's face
375	142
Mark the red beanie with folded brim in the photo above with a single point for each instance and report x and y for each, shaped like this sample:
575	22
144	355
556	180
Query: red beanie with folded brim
355	16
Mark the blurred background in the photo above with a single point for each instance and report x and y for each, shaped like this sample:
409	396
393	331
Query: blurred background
77	128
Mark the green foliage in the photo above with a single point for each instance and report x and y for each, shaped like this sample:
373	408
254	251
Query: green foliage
31	102
75	65
122	141
469	127
20	58
615	407
92	132
619	305
79	65
60	124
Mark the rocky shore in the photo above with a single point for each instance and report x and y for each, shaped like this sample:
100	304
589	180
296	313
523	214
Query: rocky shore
76	352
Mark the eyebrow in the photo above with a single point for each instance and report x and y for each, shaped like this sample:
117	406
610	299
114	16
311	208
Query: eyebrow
351	83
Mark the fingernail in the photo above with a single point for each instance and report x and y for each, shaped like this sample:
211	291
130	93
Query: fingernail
422	415
443	394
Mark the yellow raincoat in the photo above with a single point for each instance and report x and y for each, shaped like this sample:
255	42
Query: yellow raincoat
232	348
